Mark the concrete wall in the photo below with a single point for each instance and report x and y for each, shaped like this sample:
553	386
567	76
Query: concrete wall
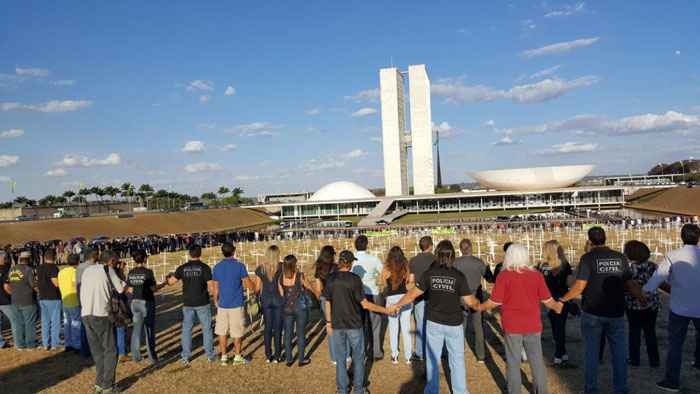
421	130
393	129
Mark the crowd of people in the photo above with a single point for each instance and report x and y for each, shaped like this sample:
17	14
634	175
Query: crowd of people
94	300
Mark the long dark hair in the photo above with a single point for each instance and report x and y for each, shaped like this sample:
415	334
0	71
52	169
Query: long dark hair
397	265
444	254
289	266
325	262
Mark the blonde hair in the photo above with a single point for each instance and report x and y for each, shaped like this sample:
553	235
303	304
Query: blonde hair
553	254
517	258
272	259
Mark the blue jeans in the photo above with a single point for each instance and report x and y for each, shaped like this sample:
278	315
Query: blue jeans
289	319
120	334
677	330
71	327
419	314
452	337
9	313
50	323
144	313
593	328
331	343
273	330
402	323
84	344
203	314
25	316
353	339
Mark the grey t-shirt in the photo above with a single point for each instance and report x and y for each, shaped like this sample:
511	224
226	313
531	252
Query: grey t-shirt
473	269
94	291
22	283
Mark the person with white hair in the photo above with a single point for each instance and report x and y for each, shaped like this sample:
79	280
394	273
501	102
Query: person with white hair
519	290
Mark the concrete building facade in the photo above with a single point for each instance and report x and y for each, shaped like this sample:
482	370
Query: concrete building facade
394	138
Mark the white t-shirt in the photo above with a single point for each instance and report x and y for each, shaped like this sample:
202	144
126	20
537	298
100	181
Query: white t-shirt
369	269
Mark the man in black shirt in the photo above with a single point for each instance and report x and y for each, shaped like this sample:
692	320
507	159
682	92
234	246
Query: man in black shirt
446	289
49	301
473	270
142	285
21	286
417	266
603	276
345	300
196	284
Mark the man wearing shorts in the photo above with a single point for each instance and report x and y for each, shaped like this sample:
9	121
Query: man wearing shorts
230	276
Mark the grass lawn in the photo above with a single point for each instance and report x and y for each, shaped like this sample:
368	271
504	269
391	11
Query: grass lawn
413	218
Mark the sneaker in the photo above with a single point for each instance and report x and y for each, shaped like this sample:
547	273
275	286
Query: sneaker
304	362
558	361
334	363
481	361
268	360
408	362
185	362
239	360
394	360
224	361
565	357
665	386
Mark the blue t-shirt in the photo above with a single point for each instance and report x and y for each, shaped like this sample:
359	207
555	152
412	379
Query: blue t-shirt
229	273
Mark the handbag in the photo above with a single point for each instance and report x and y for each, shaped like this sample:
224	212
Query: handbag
119	312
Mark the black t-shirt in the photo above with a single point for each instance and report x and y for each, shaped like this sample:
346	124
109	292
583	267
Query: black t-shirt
47	290
194	276
344	291
141	279
557	280
606	272
4	297
418	265
444	289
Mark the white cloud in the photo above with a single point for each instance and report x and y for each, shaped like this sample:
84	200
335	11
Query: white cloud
560	47
31	72
8	160
255	129
445	130
569	147
12	133
204	99
313	111
545	72
490	123
668	122
567	10
528	24
364	112
507	140
49	106
322	164
354	154
455	91
229	147
200	85
64	82
208	126
678	52
71	160
57	172
193	147
203	167
371	95
230	91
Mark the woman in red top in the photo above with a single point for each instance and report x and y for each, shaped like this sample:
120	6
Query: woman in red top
519	290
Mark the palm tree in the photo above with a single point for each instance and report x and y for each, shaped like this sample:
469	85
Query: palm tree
111	191
69	194
208	196
236	193
223	190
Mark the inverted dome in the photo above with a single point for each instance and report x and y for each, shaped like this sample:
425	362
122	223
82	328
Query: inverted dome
534	178
341	191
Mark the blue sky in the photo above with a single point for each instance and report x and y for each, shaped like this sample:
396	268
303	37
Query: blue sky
281	96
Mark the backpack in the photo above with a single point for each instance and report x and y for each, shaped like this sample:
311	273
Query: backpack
119	312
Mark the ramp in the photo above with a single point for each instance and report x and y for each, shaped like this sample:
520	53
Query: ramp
379	213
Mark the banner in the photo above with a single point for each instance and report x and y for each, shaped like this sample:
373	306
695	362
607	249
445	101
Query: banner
385	233
443	231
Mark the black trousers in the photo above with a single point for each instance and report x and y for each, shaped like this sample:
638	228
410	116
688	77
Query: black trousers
643	320
558	323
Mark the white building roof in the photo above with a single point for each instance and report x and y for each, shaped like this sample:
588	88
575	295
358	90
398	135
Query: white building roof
341	191
534	178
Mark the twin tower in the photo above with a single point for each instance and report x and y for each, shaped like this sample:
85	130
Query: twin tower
396	140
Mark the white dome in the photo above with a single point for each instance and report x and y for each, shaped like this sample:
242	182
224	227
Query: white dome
535	178
341	191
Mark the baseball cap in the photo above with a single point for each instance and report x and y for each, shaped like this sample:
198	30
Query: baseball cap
346	256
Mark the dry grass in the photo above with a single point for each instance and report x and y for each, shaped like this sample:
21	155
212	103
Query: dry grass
40	371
